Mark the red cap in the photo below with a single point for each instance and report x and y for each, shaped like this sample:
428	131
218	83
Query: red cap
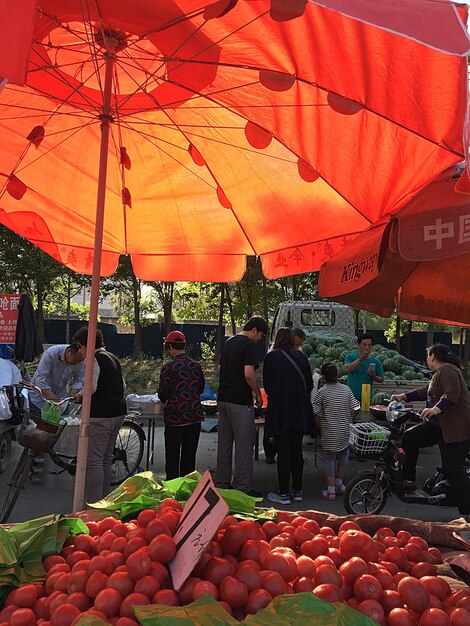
175	337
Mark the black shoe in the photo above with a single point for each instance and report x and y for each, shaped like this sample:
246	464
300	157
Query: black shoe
409	486
269	460
255	494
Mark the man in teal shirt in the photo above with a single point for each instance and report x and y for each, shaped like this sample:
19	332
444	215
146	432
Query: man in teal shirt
362	368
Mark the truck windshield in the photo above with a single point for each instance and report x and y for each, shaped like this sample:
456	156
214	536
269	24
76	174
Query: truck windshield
317	317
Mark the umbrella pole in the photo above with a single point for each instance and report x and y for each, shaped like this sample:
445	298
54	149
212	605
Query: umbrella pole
80	476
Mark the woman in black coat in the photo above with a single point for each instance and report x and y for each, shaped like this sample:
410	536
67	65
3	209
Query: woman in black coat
288	382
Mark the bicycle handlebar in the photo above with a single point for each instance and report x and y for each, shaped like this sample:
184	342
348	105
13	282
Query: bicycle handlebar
30	386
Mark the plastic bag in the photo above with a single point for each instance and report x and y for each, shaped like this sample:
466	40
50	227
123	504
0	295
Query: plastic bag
5	410
51	413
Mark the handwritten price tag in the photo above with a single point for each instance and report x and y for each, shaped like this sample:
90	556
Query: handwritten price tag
204	512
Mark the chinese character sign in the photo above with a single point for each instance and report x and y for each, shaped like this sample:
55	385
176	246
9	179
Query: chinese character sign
8	317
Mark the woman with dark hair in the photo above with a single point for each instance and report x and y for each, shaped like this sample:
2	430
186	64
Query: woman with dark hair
108	409
446	422
288	382
334	405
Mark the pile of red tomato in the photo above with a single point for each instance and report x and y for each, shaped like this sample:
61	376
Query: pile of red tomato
391	578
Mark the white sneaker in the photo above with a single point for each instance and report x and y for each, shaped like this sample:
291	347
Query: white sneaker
297	496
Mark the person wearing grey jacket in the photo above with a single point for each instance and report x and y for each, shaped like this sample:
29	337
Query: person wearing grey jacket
446	422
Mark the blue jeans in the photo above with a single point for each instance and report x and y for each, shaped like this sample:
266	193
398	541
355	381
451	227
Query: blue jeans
102	438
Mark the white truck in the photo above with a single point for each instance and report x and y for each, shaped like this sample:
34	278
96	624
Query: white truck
312	316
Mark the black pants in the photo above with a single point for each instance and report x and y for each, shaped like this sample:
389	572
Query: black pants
180	449
290	460
270	449
453	456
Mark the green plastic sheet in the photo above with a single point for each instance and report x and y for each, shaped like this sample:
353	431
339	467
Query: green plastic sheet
142	491
302	609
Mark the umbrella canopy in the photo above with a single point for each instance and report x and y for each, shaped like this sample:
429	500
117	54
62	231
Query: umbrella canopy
28	345
207	131
235	128
419	261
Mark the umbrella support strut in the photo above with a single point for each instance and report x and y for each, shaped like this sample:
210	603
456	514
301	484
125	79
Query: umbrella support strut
79	491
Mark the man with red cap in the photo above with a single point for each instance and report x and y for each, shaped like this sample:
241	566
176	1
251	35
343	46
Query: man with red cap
180	386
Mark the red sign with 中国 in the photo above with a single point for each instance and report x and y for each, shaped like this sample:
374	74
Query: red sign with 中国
8	317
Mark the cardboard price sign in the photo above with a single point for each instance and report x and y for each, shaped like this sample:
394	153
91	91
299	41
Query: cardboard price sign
204	512
8	317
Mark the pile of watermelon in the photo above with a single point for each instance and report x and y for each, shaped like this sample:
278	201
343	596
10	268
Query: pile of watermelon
327	347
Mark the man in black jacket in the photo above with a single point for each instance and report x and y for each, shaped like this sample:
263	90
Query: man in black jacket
108	409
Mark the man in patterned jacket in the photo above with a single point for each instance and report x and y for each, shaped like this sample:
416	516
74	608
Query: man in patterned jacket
181	384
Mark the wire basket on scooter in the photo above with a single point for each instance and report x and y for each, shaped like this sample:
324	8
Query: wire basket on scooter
368	438
42	436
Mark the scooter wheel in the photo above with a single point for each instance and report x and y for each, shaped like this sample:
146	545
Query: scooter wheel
365	494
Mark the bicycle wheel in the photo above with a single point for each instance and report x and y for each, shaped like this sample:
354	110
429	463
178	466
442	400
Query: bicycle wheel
64	461
365	494
17	482
128	451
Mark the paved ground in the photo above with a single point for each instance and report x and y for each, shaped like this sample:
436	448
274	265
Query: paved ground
38	500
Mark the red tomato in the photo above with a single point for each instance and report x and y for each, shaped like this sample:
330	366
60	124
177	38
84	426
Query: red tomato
24	596
419	541
352	569
22	617
96	582
84	543
106	541
108	601
323	559
384	532
252	530
160	572
232	540
205	588
270	529
464	603
400	617
335	556
315	547
437	586
284	540
7	612
353	603
397	556
234	592
326	531
64	615
328	592
385	579
217	569
146	516
423	569
348	525
285	564
372	609
171	518
328	574
257	600
355	543
226	607
162	548
459	617
100	564
434	602
457	595
126	621
131	599
148	585
138	564
434	617
169	503
392	542
297	521
414	594
366	587
403	536
185	594
253	549
80	600
306	566
303	584
156	527
436	555
76	556
230	520
391	599
52	560
273	582
414	553
249	576
167	597
312	526
40	608
78	581
106	524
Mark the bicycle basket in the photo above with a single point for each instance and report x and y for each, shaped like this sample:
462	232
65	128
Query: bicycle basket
370	438
41	437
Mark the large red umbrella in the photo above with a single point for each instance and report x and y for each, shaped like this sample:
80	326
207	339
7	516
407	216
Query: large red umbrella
190	133
418	262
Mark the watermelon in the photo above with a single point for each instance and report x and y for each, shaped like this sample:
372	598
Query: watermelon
381	397
390	365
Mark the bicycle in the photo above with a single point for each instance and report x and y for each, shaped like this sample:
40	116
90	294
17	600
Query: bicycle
42	437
